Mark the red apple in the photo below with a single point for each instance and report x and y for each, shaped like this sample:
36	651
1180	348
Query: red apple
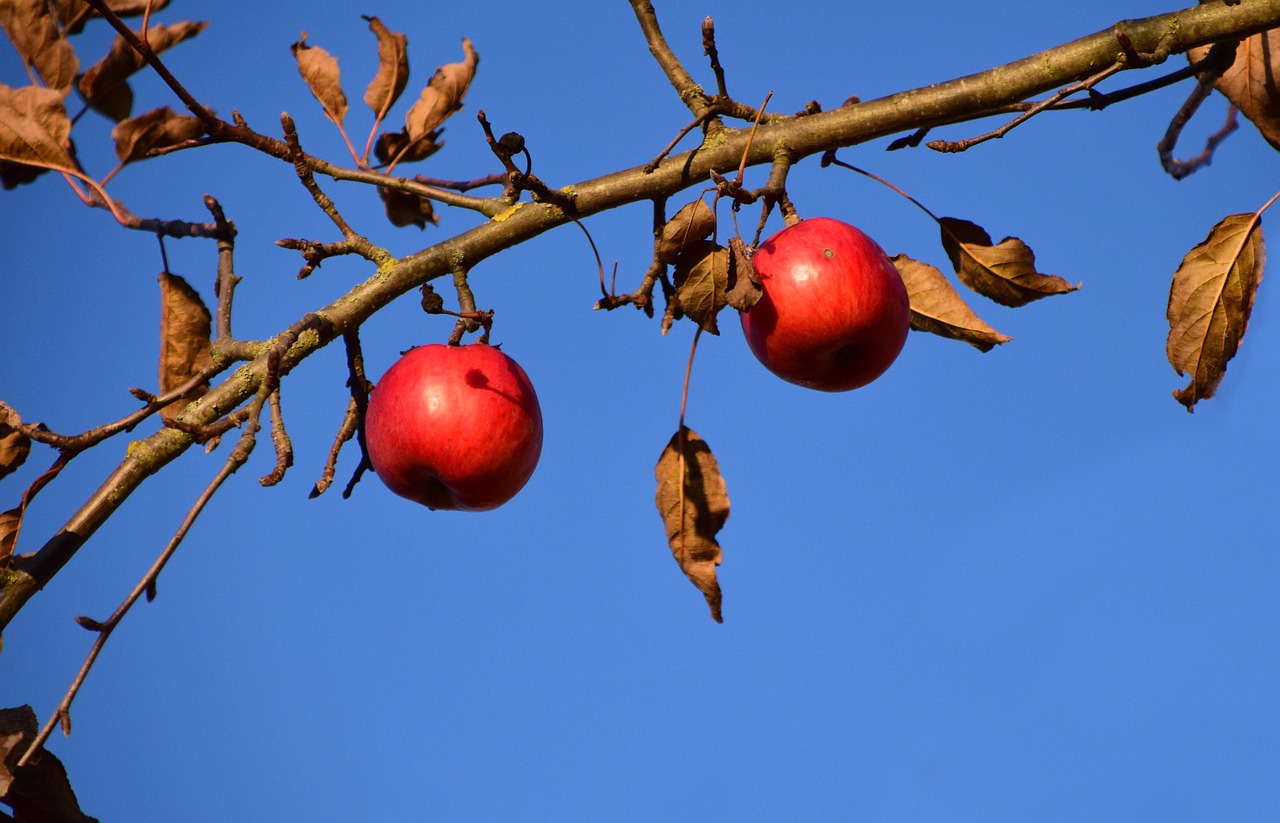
834	313
454	427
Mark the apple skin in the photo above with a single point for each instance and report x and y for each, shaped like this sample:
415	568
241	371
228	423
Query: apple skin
834	313
454	427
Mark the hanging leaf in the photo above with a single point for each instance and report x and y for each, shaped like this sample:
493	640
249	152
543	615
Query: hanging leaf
1004	272
694	504
443	94
936	306
185	327
34	32
39	792
396	145
73	14
10	525
105	85
744	287
157	129
34	128
393	68
14	445
693	222
319	69
13	175
404	209
1210	302
701	280
1250	83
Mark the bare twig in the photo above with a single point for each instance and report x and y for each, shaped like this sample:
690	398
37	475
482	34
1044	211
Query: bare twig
1179	169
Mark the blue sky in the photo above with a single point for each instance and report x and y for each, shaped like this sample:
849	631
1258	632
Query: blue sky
1021	585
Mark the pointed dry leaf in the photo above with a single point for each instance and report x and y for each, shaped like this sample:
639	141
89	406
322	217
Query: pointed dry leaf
1004	272
701	280
34	128
105	85
185	326
744	282
1250	83
393	68
157	129
937	307
14	445
404	209
694	504
1210	302
34	32
443	94
10	525
320	69
693	222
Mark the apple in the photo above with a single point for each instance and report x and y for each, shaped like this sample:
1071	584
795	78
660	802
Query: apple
833	314
454	427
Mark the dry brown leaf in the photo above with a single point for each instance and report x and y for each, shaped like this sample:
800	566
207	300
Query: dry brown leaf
40	792
10	525
13	175
157	129
105	85
936	306
75	13
396	145
185	327
14	445
34	128
1251	81
694	504
34	32
744	287
320	69
393	68
701	279
693	222
1210	302
443	94
1004	272
404	209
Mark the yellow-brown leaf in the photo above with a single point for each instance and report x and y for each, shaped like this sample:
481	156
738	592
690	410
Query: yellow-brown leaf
936	307
185	327
393	68
1004	272
694	504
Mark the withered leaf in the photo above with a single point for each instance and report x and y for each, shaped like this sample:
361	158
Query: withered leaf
393	68
701	280
396	145
10	525
320	69
443	94
1251	81
693	222
157	129
694	504
13	174
937	307
404	209
1004	272
1210	302
14	445
74	13
744	282
105	85
34	32
39	792
34	128
185	328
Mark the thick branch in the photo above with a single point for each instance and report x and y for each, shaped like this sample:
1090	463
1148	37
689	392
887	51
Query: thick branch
932	105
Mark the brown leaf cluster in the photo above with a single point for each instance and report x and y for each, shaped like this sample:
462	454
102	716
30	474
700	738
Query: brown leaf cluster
34	31
185	342
936	306
1210	301
707	276
105	85
1251	81
40	791
694	504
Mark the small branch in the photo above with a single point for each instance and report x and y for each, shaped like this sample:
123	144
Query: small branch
350	423
360	389
712	54
1179	169
689	91
280	439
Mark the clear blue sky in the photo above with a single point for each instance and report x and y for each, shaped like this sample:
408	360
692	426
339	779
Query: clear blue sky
1022	585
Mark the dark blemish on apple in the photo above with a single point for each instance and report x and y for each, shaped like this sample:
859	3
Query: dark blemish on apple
476	379
828	253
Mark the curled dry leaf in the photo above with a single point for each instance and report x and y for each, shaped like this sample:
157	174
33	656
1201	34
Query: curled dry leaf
1004	272
404	209
185	327
744	287
694	503
936	306
157	129
34	32
701	280
34	128
393	68
14	445
40	791
105	85
1210	302
1250	83
693	222
396	145
319	69
443	94
10	525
